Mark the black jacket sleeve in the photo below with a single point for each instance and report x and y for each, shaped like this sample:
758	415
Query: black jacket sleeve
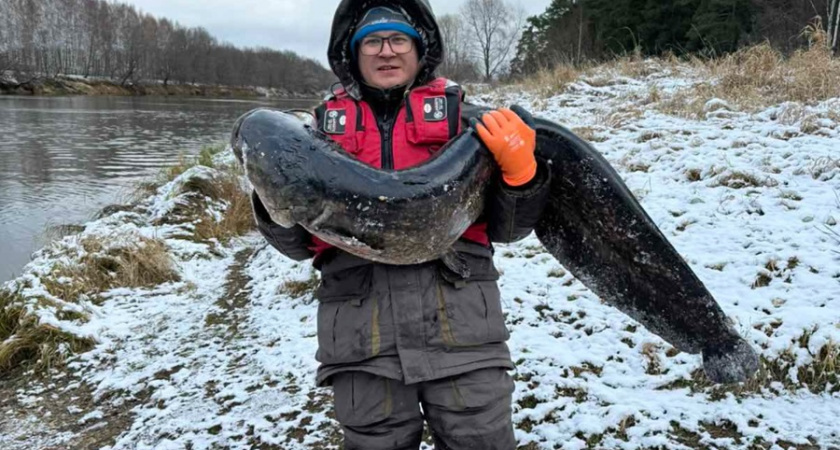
513	212
291	242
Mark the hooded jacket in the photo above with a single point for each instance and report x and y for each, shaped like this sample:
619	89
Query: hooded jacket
347	16
419	322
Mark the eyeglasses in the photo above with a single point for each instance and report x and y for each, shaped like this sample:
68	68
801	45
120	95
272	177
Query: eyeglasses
399	43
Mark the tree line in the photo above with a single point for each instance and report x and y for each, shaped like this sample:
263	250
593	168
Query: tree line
97	38
489	39
573	31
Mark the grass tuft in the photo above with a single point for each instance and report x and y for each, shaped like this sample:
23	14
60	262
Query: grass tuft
300	288
214	204
108	264
205	156
237	218
824	168
551	82
10	312
24	339
738	180
650	351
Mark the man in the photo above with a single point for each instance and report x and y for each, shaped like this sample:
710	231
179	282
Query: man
395	338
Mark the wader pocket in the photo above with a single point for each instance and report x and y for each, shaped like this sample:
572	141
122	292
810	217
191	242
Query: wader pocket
469	311
361	398
350	320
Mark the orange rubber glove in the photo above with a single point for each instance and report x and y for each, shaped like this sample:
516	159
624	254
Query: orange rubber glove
512	143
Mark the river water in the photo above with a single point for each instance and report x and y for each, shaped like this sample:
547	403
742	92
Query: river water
62	159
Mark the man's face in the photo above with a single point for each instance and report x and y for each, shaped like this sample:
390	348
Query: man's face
387	68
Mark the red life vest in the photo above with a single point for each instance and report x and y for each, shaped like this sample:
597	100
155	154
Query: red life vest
429	118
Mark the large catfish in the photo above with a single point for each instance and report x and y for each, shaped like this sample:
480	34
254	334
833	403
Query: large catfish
592	224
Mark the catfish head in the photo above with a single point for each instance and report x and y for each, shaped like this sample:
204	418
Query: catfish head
268	145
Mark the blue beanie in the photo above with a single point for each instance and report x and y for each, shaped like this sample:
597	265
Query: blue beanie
381	18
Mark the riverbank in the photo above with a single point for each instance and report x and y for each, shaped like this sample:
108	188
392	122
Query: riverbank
73	85
215	349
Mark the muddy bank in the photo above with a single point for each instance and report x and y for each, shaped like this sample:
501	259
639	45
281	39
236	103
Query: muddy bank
81	86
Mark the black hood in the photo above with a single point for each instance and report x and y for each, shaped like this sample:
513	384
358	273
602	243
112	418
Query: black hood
348	15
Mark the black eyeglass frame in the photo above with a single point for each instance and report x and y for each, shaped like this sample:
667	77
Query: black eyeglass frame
382	44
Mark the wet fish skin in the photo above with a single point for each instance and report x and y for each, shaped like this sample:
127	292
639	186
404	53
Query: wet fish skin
595	228
405	217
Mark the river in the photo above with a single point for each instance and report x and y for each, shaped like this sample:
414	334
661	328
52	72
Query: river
62	159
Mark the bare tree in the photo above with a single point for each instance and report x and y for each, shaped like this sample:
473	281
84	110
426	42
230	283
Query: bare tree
458	64
49	38
494	27
8	40
834	24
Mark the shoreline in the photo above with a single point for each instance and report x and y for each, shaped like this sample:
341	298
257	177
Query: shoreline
217	348
79	86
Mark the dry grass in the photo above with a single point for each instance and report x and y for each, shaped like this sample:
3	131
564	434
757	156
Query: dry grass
823	168
650	351
818	376
617	117
104	266
690	102
301	288
224	189
760	76
10	313
237	218
589	134
738	180
23	339
550	82
199	201
636	66
750	79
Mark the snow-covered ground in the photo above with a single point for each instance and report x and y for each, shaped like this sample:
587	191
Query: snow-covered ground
224	358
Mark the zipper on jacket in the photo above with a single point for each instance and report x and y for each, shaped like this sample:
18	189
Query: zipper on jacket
385	135
386	128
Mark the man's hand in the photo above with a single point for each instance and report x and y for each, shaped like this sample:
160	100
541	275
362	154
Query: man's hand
512	143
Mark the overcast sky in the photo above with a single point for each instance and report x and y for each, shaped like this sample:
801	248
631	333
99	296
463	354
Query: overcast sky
302	26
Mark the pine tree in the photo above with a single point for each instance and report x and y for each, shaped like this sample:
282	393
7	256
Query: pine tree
718	26
556	36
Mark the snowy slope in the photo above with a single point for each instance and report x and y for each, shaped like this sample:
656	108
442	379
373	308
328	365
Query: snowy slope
224	358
